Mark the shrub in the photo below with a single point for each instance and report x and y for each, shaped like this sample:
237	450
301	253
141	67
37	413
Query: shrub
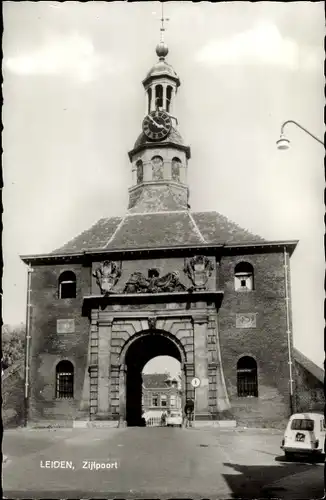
13	344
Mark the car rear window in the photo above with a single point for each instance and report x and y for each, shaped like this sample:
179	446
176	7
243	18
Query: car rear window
302	424
175	414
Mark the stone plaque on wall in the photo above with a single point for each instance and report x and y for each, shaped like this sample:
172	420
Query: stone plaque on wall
65	325
247	320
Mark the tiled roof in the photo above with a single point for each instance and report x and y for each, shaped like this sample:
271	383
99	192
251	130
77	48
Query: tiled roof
217	228
309	365
155	380
95	237
151	230
159	229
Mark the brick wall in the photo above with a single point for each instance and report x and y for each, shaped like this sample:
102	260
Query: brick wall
309	391
266	342
49	347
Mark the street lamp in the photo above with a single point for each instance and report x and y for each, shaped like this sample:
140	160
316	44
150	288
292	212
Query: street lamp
284	143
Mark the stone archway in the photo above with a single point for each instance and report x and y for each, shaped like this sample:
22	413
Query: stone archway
140	349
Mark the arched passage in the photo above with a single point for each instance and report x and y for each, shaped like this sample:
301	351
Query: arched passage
140	350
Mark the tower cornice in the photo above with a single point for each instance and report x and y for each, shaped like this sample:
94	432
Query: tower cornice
158	76
161	145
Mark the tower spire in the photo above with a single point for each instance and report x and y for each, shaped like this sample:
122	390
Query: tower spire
163	19
159	157
162	49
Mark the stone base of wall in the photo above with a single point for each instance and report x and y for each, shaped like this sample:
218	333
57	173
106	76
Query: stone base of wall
50	424
226	424
205	417
260	423
95	424
224	415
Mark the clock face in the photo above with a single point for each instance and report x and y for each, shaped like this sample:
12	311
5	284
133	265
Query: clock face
157	125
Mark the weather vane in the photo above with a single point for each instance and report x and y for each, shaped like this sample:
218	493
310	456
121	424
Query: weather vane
162	29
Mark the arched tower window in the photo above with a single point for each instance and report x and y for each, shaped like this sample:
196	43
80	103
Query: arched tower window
149	97
247	383
67	285
176	163
159	96
157	166
64	380
140	171
168	98
244	276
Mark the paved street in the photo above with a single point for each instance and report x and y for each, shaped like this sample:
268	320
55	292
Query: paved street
154	463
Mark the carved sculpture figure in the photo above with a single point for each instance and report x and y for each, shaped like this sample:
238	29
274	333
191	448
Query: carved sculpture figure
107	275
198	268
138	283
152	320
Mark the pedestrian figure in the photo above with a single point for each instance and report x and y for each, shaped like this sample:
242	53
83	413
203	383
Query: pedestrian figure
163	419
189	411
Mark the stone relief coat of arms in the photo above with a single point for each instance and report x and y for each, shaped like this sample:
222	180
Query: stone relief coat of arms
198	269
107	275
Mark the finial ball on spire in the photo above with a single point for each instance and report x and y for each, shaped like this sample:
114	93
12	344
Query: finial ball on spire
162	50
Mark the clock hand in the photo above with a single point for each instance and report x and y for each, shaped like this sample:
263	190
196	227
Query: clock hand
155	123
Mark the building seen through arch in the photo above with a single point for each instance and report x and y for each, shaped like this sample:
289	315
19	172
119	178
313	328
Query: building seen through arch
161	388
161	280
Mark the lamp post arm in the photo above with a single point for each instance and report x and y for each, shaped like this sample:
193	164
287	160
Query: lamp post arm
302	128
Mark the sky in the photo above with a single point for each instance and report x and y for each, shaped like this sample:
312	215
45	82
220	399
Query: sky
74	104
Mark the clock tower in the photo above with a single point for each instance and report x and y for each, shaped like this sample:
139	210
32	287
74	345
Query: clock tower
159	157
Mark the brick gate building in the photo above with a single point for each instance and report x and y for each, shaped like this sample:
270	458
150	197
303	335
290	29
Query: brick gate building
161	280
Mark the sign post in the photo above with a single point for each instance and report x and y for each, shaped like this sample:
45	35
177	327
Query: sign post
195	384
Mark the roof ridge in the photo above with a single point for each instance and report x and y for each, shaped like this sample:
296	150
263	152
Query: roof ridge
197	230
160	212
175	198
115	231
225	217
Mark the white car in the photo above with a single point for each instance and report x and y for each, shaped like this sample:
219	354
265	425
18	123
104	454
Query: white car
174	419
305	433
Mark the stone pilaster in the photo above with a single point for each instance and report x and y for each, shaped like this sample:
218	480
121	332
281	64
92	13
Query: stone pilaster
104	346
164	96
189	373
222	398
122	396
201	367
